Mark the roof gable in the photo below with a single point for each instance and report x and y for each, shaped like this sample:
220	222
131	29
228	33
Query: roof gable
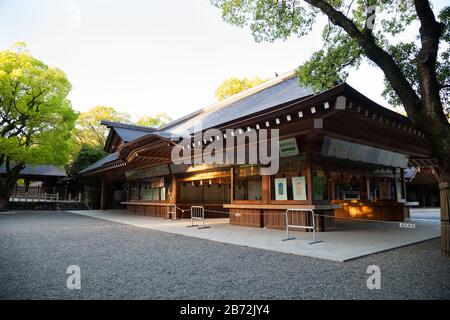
123	132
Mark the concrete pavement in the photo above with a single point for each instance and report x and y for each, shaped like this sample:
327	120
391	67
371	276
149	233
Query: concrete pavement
351	240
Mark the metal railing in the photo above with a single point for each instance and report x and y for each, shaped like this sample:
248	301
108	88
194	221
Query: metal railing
198	213
308	225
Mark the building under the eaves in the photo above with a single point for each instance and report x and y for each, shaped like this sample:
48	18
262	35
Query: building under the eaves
340	154
38	179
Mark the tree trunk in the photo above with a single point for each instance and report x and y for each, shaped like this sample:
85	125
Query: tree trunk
4	201
425	111
444	188
8	183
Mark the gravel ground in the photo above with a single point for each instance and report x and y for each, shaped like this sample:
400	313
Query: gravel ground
124	262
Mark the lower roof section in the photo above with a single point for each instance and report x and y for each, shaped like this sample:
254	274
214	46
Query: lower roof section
40	170
100	163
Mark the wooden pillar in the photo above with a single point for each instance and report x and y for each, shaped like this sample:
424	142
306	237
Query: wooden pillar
103	195
265	198
424	202
394	196
309	178
232	184
174	194
265	189
402	174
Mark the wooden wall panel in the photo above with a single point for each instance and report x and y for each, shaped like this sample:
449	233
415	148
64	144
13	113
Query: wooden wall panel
161	211
146	210
246	217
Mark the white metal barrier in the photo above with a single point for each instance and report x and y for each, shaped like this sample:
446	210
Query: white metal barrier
198	213
308	225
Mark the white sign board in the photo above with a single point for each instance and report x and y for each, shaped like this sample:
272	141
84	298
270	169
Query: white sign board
288	147
280	189
299	188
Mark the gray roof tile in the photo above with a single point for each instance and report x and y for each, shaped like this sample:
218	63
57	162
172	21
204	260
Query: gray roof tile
109	158
272	96
40	170
128	135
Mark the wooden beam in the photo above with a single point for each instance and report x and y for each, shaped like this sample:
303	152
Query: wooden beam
309	178
153	158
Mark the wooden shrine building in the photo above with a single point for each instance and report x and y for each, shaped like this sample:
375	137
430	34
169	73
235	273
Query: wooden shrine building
341	154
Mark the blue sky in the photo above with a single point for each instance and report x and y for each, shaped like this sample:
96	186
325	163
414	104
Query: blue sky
145	57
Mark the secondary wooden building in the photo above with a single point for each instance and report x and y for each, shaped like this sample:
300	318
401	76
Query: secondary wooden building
341	154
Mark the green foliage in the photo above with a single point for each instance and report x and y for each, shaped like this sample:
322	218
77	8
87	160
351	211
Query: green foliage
270	20
232	86
86	156
89	131
36	119
155	121
403	54
443	65
328	67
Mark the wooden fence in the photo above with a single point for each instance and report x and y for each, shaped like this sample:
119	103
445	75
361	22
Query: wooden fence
43	197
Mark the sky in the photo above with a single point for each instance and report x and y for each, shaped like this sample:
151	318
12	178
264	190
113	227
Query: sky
144	57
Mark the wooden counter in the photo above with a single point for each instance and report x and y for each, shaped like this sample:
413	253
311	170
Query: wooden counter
283	206
377	210
154	209
274	216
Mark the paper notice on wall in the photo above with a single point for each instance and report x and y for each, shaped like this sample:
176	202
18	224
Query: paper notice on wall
299	188
280	189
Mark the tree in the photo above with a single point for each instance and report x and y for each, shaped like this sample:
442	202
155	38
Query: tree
86	156
89	131
36	119
233	85
155	121
416	72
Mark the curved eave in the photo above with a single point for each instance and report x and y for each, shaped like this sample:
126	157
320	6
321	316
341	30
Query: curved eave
106	167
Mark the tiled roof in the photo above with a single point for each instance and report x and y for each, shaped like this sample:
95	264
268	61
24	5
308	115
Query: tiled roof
109	158
40	170
128	132
274	92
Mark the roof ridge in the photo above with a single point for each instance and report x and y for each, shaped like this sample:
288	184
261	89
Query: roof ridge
112	124
236	97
